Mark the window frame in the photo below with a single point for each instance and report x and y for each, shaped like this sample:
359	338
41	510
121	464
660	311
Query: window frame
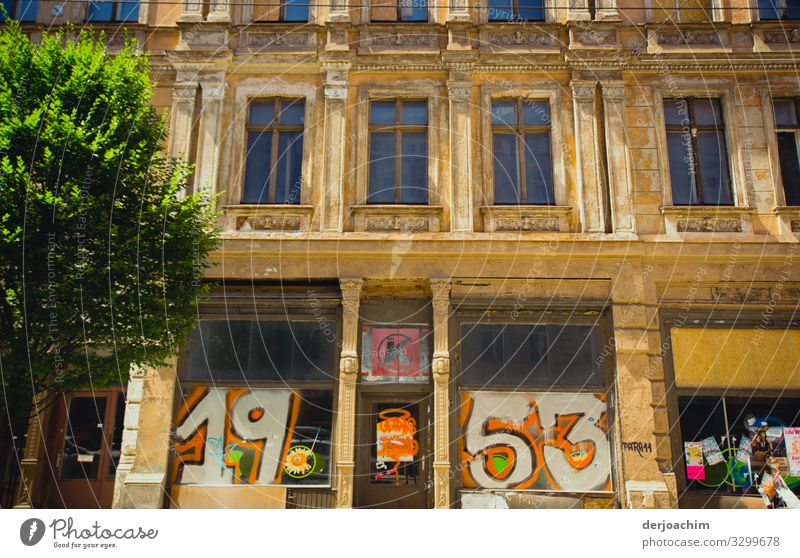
741	182
366	15
359	148
781	7
553	96
548	7
15	7
768	94
399	128
515	18
116	6
275	129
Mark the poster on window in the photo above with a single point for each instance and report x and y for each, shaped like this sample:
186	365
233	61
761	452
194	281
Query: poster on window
694	461
711	451
791	436
394	354
745	450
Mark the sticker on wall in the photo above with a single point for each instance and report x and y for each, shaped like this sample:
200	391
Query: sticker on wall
694	461
711	451
392	354
259	436
540	441
792	441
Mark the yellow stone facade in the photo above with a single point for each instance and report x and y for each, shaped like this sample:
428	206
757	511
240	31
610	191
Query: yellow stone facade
681	289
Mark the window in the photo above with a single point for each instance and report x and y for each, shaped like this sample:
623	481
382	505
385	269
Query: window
516	10
395	354
778	9
788	126
399	10
21	10
283	10
698	160
398	152
521	149
531	355
113	11
274	157
724	451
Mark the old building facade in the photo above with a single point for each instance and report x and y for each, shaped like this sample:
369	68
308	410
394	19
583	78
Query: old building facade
476	254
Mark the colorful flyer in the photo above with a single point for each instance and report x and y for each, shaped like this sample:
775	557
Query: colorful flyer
789	498
711	451
792	440
745	450
694	461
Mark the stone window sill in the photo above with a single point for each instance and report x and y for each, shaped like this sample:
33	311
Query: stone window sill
526	218
681	219
397	218
267	217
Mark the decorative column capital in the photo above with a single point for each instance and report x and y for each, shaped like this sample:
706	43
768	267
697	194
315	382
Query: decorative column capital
184	91
613	91
440	289
348	365
213	91
583	90
351	289
441	367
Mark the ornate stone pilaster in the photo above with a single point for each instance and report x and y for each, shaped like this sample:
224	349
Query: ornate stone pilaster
458	10
460	132
28	489
590	175
440	289
220	11
346	405
183	103
617	150
192	11
334	147
578	10
339	12
130	433
607	11
210	136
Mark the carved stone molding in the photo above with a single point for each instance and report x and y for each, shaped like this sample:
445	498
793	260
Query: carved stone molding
201	36
459	91
583	90
595	38
505	40
781	36
699	219
440	366
689	37
279	40
795	225
348	365
709	224
405	40
526	218
397	218
753	295
268	218
613	92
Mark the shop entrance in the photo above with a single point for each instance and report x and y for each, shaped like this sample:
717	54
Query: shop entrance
88	448
393	450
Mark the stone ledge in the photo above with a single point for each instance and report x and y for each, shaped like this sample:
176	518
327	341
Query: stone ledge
268	217
417	38
526	218
788	221
683	219
276	38
397	218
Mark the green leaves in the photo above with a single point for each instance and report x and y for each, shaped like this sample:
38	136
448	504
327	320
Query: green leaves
100	251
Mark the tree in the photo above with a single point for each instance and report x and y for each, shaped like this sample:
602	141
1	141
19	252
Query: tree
102	250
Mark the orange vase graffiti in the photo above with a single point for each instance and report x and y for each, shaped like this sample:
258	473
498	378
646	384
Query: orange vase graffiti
396	440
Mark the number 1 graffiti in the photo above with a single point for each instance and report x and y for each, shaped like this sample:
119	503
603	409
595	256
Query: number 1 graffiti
509	442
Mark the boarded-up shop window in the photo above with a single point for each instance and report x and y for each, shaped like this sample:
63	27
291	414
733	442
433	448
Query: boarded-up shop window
728	442
395	354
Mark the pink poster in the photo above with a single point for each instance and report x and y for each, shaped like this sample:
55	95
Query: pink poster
791	437
694	461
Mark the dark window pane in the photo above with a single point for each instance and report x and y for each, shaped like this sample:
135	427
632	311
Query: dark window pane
676	112
415	113
500	10
414	168
290	161
257	168
248	350
296	10
413	10
681	168
536	113
100	11
792	9
539	177
381	167
790	169
701	418
116	437
83	441
531	10
531	355
26	10
506	174
713	168
261	112
8	11
128	11
769	9
292	113
707	112
785	112
383	112
504	113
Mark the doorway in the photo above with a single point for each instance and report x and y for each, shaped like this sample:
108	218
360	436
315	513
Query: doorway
88	448
393	450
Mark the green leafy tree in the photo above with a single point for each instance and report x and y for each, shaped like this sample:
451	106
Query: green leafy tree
102	251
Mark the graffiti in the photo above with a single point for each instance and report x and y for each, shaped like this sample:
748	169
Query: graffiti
240	436
540	441
392	354
396	440
638	447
